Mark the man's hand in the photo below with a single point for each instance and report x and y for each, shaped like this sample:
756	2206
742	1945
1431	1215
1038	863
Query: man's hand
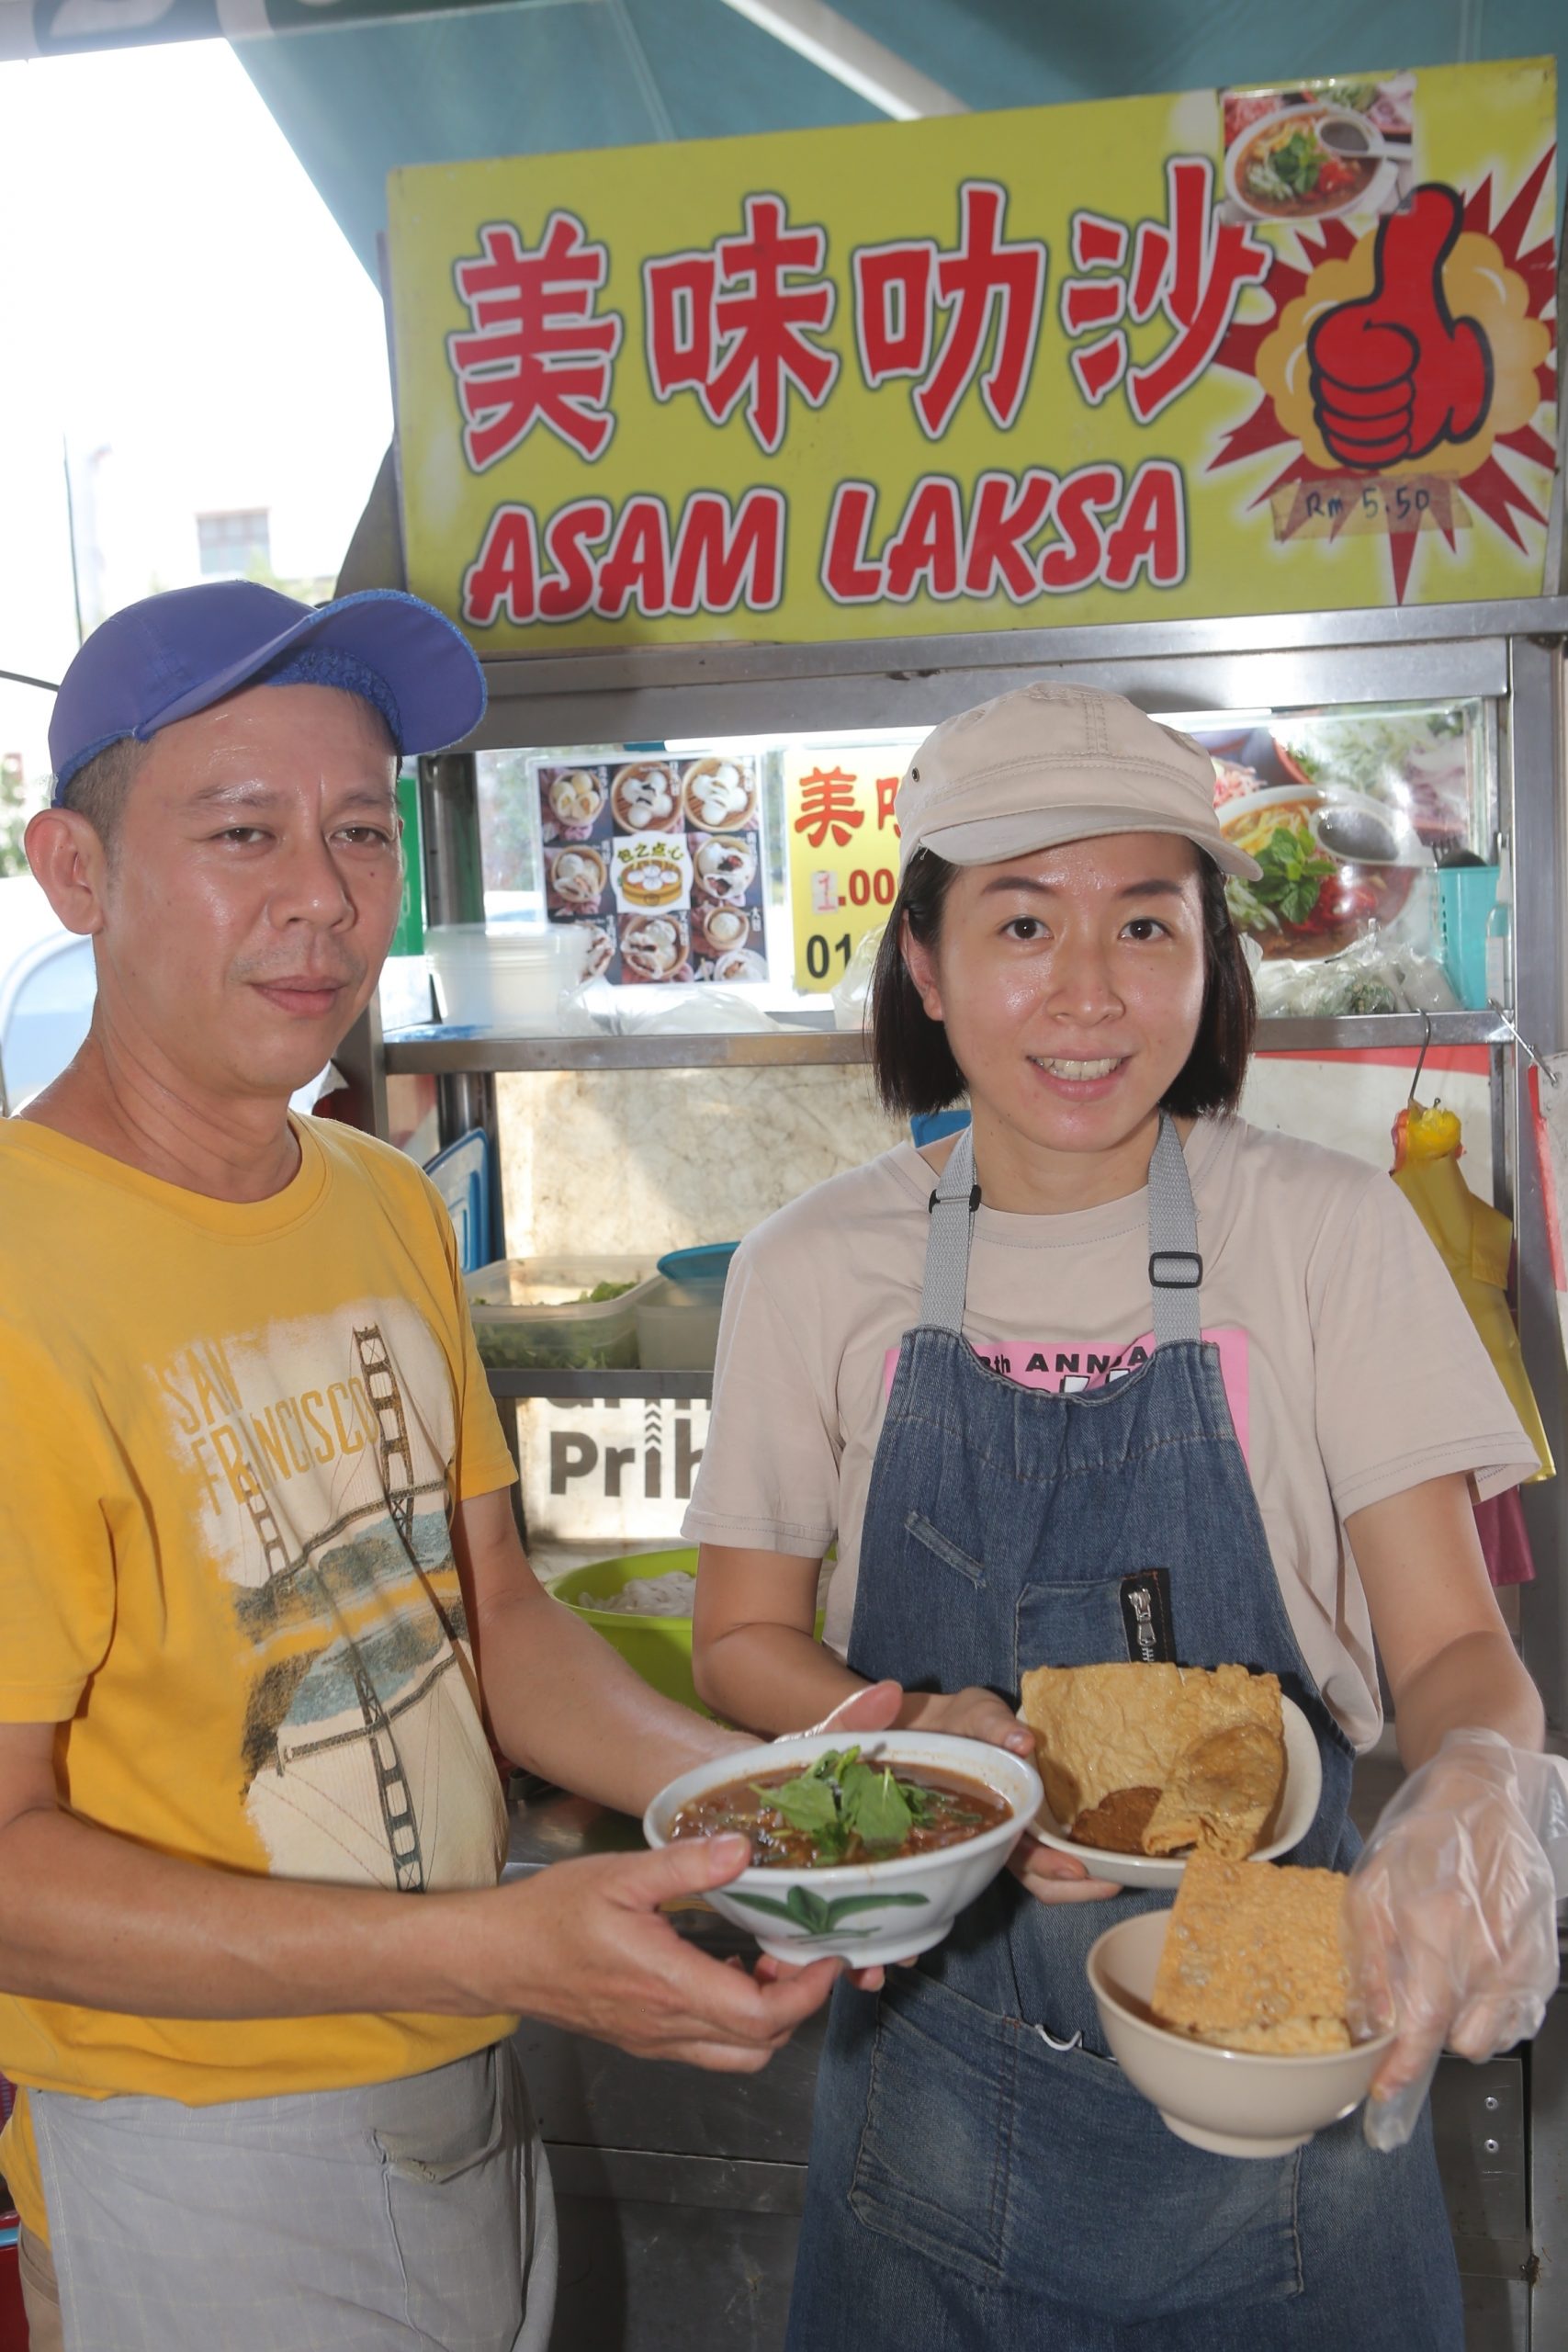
582	1945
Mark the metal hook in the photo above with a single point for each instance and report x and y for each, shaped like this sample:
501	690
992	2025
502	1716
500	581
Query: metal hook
1523	1042
1420	1062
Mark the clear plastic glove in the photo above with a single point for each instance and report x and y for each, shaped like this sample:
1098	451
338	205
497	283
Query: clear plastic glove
1450	1916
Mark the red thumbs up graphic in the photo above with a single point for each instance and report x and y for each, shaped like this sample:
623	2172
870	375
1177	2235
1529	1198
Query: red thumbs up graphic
1395	373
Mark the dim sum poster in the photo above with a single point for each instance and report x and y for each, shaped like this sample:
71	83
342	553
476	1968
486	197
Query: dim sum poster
1264	349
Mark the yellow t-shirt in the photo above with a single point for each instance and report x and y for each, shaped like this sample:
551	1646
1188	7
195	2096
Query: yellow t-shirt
234	1436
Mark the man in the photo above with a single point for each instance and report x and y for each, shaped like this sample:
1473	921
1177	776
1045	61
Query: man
259	1578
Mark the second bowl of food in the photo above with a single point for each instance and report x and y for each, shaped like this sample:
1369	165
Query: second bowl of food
1228	2012
863	1852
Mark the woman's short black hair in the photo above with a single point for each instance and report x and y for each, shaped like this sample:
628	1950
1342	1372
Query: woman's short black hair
913	1061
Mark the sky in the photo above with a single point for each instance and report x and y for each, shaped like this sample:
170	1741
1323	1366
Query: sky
174	290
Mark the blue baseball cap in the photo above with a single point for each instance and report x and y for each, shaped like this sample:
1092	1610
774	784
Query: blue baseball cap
170	656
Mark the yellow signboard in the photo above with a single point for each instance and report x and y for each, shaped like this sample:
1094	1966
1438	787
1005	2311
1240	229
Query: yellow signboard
1235	351
842	845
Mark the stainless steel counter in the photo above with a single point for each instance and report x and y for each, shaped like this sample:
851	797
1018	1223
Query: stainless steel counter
680	2191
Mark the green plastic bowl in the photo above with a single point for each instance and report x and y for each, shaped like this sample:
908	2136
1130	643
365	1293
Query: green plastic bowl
659	1648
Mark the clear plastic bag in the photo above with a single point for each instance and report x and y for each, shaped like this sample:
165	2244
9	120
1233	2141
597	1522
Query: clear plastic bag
852	996
1450	1916
697	1012
1378	974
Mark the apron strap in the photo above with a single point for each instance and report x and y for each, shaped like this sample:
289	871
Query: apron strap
1176	1270
952	1207
1174	1267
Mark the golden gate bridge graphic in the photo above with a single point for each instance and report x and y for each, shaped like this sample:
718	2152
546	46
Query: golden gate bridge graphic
399	1492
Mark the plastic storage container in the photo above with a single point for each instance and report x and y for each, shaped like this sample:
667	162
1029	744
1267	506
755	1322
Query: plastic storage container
677	1325
536	1314
659	1648
504	975
1465	896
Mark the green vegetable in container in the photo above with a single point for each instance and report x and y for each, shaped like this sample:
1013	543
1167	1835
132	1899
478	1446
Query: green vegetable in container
1295	871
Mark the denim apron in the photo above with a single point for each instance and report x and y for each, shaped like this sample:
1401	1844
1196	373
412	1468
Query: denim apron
982	2175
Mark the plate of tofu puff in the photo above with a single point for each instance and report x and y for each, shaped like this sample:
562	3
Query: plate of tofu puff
1144	1765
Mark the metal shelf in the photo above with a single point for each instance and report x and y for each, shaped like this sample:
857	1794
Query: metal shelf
445	1054
683	1386
1369	1033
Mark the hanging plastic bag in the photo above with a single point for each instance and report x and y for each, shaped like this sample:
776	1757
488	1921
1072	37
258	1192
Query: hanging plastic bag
1474	1241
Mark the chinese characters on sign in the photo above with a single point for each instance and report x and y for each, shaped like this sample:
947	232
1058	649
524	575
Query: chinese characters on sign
1226	352
843	851
536	355
1192	270
734	325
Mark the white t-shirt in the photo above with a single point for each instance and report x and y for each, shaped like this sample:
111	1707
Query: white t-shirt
1352	1368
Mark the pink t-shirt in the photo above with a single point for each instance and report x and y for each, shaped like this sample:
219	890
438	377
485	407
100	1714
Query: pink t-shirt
1066	1372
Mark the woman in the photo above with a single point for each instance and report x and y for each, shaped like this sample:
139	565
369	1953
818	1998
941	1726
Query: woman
1131	1363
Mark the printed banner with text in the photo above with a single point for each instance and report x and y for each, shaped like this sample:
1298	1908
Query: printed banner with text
1246	350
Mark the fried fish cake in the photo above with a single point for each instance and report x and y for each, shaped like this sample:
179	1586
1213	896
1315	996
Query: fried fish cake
1221	1795
1100	1729
1254	1950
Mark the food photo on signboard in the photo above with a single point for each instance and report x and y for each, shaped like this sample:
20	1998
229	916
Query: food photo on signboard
660	860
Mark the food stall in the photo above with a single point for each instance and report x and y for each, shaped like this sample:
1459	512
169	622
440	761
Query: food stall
739	480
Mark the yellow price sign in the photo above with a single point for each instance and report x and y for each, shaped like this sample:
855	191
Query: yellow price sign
843	851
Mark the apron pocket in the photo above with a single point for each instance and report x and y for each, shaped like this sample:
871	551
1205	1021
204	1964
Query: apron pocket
1003	2159
932	2169
1109	2212
942	1548
454	2183
1068	1625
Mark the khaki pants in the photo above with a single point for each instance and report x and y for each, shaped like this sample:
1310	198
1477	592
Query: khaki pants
410	2216
40	2295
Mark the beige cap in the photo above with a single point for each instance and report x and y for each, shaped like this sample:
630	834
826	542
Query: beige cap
1049	763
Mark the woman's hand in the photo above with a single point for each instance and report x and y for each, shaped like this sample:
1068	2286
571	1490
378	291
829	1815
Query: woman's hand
1052	1877
968	1715
1451	1915
1049	1876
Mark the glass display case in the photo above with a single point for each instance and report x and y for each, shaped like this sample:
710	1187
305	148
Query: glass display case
1399	776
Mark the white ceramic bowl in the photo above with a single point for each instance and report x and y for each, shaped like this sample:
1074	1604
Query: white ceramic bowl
1298	1810
1233	2102
869	1913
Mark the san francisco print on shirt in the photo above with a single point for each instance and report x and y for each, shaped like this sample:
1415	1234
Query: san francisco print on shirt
319	1453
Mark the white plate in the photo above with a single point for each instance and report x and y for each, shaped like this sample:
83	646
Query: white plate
1298	1809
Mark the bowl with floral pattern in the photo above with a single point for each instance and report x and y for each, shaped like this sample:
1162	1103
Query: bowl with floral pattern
863	1851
